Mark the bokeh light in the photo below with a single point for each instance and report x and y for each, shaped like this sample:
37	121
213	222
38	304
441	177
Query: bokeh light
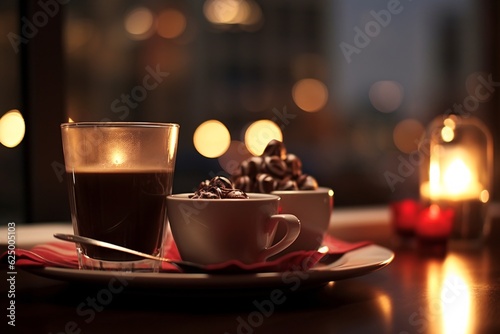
139	23
386	96
407	134
259	134
243	12
254	15
447	134
211	138
484	196
310	94
171	23
12	128
450	122
448	130
222	11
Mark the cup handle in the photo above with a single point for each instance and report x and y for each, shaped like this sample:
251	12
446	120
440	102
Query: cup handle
292	232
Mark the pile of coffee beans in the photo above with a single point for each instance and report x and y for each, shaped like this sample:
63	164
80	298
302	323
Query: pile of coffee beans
218	187
275	169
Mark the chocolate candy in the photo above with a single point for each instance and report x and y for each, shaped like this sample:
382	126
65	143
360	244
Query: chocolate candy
251	166
265	183
287	184
275	166
221	182
275	147
275	169
218	187
244	182
294	165
236	193
307	182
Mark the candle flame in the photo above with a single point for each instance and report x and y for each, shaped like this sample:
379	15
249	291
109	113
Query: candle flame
452	176
457	177
434	177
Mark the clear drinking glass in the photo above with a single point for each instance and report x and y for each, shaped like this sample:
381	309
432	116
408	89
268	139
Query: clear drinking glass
118	176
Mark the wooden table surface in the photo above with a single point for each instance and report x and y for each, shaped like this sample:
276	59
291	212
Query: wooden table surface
456	291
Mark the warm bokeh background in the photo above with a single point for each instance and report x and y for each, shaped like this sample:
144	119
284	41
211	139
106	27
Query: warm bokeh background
349	86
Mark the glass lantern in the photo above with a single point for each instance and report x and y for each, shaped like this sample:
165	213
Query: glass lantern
456	172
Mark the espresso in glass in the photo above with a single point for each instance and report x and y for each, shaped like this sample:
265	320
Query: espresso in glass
119	175
121	207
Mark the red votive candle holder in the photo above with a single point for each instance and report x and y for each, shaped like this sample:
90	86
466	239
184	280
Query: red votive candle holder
434	225
405	214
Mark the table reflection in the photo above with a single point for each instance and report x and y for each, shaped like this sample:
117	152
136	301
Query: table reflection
385	305
443	293
455	296
454	291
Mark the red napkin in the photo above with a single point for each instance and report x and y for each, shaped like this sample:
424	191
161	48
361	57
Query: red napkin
63	254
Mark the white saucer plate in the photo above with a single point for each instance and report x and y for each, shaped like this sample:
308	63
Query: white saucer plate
355	263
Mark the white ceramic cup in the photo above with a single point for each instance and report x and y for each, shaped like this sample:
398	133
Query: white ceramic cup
314	209
210	231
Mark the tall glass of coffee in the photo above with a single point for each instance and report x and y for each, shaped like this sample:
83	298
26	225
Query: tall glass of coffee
119	175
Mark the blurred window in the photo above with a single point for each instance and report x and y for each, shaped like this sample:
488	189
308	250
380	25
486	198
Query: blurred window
348	85
12	148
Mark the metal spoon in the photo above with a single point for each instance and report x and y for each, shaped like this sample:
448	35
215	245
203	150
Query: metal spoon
185	266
